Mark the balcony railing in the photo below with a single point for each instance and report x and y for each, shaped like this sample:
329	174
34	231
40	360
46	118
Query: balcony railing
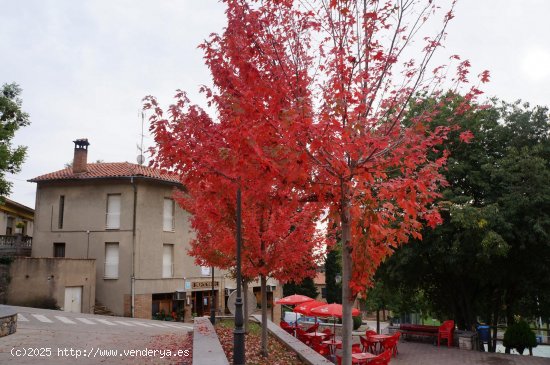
17	245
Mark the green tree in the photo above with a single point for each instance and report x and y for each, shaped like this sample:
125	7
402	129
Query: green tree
333	269
306	287
488	259
11	119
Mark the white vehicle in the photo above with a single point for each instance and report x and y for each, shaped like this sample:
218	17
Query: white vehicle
291	317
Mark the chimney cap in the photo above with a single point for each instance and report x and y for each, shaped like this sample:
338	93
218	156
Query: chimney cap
81	143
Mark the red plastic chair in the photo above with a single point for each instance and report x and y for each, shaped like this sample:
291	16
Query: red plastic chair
398	335
328	333
367	345
316	340
353	361
321	348
370	333
390	344
300	334
445	332
313	328
355	348
382	359
288	328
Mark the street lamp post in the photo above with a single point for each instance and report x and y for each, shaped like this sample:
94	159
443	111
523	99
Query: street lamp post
213	302
238	332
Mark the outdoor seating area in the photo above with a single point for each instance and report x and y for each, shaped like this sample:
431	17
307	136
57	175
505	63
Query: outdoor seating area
444	332
371	349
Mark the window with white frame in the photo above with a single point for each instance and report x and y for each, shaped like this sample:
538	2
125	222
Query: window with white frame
167	261
168	215
111	260
113	211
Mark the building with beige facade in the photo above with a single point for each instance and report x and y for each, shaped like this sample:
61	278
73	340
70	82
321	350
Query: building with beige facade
123	216
15	218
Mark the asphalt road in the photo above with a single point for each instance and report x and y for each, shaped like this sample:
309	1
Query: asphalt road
56	337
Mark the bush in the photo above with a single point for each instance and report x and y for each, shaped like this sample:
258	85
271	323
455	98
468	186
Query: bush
357	322
520	337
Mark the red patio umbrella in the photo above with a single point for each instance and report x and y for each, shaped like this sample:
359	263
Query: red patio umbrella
294	299
305	308
332	310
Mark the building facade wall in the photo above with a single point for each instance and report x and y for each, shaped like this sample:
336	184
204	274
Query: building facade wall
84	231
48	278
84	234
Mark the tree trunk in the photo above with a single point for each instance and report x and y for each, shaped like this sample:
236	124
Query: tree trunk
347	298
377	320
492	345
245	307
263	283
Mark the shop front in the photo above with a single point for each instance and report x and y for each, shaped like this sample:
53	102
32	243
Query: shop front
168	306
202	299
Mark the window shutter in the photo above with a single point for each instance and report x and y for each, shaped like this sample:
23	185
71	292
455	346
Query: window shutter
111	261
167	261
168	215
113	211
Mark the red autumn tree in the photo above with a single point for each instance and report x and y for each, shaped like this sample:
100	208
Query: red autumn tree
334	82
279	229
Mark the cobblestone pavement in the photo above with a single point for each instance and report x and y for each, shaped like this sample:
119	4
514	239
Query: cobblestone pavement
414	353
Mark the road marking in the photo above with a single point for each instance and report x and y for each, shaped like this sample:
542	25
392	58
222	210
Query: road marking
84	320
141	324
21	318
65	320
105	321
42	318
124	323
178	326
157	325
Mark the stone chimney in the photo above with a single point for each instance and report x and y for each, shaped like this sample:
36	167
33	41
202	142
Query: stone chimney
80	160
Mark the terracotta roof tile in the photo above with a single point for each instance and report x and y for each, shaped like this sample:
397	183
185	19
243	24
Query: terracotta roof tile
110	170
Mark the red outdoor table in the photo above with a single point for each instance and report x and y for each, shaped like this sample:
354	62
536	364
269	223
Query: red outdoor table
378	339
361	357
332	345
316	334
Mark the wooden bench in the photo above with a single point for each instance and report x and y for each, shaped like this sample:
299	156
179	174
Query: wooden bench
418	330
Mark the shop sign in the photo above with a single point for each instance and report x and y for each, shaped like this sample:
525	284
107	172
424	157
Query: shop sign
204	284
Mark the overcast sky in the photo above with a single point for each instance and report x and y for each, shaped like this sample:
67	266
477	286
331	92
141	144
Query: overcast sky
84	66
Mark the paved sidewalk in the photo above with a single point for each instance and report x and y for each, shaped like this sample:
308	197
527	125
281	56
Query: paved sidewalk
47	337
415	353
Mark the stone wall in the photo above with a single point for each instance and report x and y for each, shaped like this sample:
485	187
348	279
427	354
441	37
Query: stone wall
4	281
8	322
